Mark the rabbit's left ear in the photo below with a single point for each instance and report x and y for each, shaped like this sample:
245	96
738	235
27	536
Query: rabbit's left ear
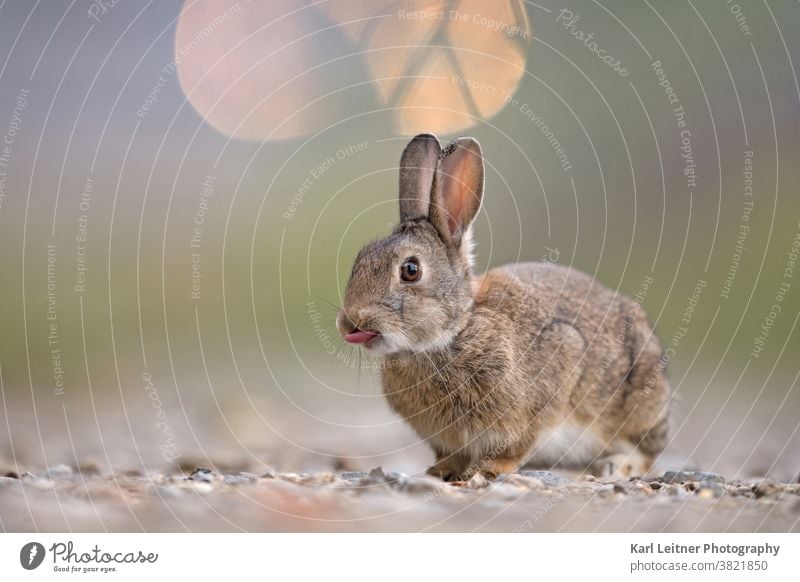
458	189
417	169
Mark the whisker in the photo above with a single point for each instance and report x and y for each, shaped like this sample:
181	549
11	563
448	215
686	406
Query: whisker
329	303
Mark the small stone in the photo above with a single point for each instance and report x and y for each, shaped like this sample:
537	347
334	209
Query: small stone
319	479
424	484
477	481
293	477
60	470
269	474
766	488
691	477
377	474
202	474
350	475
655	485
545	477
396	477
12	475
589	478
236	480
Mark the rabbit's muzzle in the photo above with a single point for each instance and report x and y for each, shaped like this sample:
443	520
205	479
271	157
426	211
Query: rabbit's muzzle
356	329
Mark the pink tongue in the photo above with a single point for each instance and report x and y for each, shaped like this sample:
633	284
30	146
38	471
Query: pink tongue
359	336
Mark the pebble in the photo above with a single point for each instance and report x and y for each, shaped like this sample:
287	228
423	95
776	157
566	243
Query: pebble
319	479
766	488
477	481
294	477
368	487
546	477
377	474
202	474
350	475
424	484
237	480
691	477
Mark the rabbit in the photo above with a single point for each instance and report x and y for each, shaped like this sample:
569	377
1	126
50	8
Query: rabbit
529	364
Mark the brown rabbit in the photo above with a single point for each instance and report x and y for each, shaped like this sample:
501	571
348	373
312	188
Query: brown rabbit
527	363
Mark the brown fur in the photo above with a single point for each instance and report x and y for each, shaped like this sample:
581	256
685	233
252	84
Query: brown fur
484	367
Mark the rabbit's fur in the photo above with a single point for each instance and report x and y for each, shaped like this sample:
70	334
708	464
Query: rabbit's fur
528	362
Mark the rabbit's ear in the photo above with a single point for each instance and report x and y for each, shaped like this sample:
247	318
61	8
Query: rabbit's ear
458	189
417	169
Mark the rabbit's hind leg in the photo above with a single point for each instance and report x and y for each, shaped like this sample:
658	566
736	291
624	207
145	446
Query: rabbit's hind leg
633	456
634	463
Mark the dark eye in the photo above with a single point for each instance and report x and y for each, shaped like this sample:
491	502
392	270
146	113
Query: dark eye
410	271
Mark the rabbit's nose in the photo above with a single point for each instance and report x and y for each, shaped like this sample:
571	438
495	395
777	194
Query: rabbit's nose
345	323
350	320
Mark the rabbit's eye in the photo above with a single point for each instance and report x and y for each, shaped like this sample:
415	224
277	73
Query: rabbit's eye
410	271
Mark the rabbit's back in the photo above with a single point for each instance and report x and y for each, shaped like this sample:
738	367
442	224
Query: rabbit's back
614	358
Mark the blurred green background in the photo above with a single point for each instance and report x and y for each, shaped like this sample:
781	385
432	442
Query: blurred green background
231	332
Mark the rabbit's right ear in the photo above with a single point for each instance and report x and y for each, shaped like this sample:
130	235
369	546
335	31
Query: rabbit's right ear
458	193
417	170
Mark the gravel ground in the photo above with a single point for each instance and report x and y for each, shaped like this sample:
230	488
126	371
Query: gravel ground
64	498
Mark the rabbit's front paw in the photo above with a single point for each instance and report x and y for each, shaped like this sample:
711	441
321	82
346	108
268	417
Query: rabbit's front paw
449	473
493	468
